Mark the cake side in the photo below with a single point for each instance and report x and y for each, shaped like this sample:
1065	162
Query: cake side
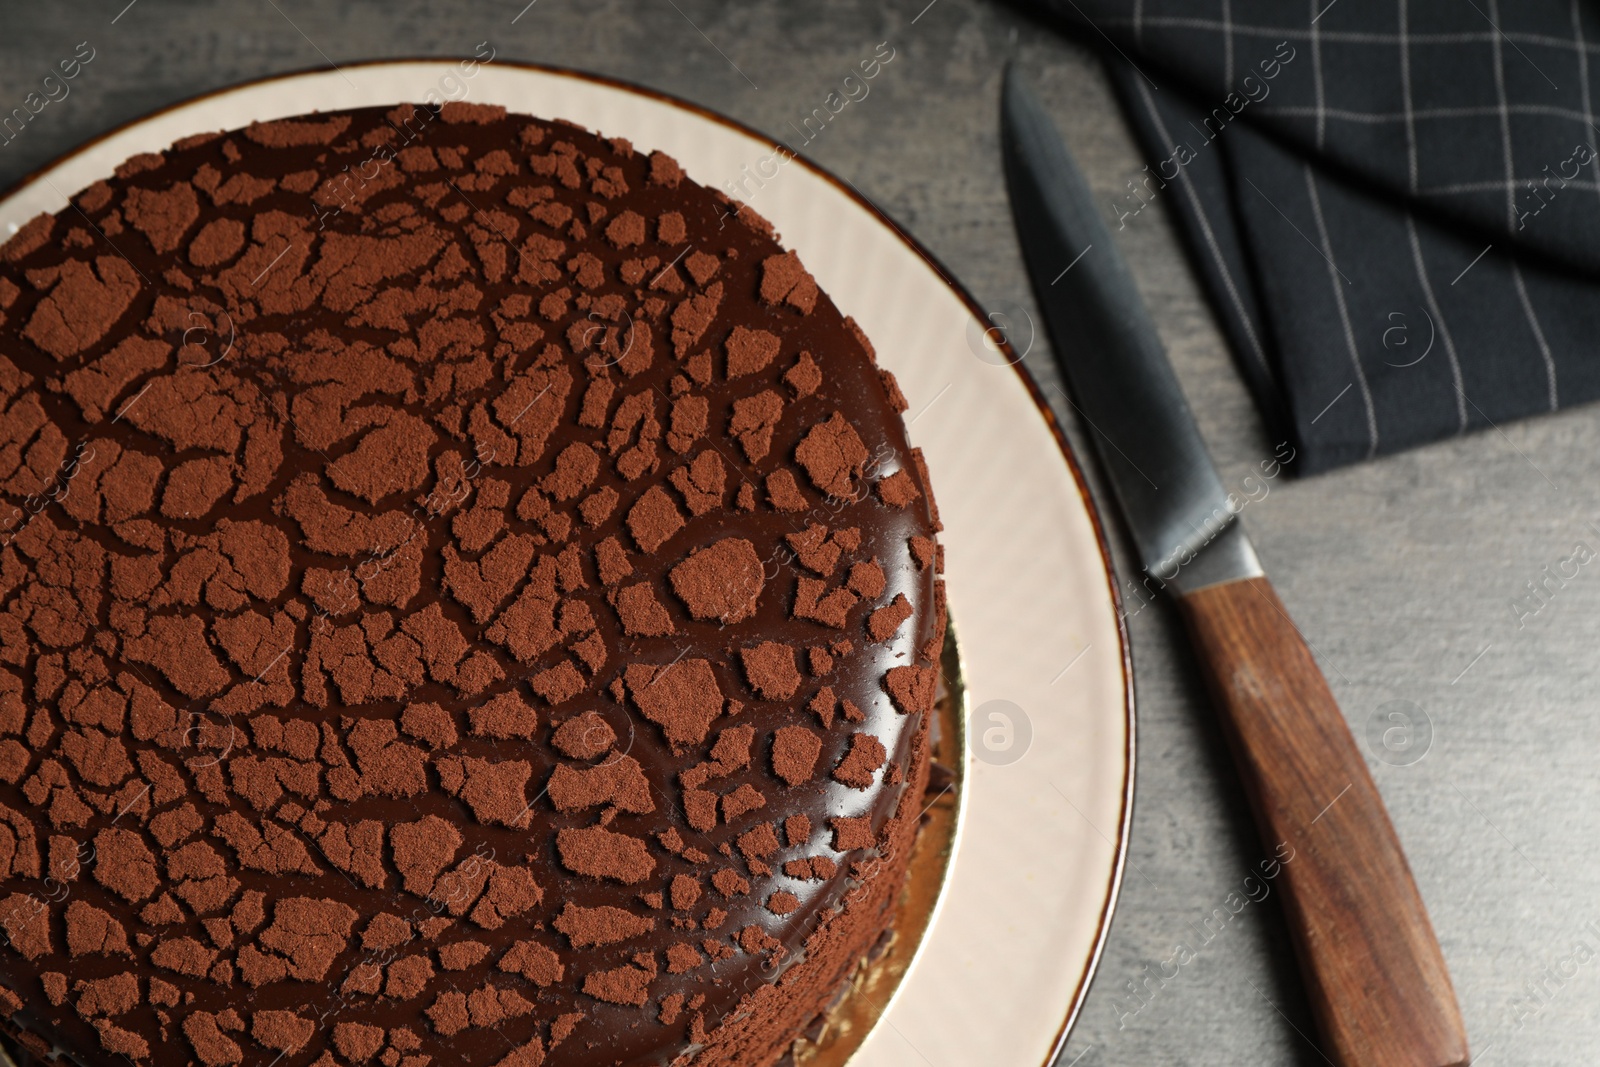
773	1015
467	594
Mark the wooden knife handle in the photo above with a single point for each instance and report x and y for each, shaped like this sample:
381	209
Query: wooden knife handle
1372	965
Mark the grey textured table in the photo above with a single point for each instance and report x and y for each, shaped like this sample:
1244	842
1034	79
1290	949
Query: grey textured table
1402	573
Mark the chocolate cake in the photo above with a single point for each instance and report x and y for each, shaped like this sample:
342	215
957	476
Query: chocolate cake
466	598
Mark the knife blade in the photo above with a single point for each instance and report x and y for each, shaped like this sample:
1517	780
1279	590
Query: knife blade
1374	972
1164	481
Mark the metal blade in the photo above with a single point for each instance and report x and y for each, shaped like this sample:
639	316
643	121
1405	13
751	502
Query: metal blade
1108	348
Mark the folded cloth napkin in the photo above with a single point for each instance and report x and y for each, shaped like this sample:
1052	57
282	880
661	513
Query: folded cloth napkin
1395	204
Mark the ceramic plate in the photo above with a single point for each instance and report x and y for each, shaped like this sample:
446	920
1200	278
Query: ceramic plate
1005	964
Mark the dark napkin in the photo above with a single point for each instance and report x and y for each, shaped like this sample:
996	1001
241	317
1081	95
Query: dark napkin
1395	205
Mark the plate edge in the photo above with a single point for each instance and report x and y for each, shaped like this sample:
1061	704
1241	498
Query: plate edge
844	186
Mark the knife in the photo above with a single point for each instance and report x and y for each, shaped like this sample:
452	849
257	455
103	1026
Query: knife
1372	966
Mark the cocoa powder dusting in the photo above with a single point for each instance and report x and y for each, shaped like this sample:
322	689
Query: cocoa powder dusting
443	609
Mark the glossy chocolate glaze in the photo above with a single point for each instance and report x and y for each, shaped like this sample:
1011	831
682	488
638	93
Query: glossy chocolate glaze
362	311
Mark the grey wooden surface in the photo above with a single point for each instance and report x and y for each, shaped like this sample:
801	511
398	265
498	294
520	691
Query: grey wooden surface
1402	573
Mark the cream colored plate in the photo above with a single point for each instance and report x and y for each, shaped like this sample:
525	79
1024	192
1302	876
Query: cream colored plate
1006	962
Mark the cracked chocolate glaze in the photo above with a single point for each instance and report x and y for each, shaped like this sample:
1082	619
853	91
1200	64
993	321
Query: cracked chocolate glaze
466	597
